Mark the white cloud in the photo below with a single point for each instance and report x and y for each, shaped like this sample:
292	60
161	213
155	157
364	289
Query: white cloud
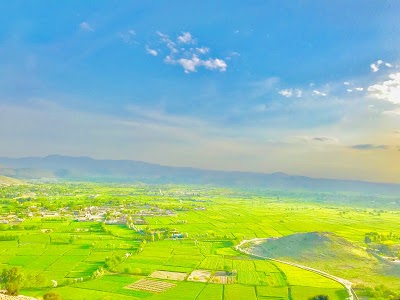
188	57
286	92
151	51
215	63
346	83
85	26
291	93
318	93
349	90
185	38
376	66
388	90
190	65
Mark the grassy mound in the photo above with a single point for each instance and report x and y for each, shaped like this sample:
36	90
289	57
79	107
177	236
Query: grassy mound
321	250
312	247
333	254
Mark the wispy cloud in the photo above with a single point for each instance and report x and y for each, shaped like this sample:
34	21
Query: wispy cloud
394	112
85	26
288	93
318	93
166	40
232	55
317	139
203	50
128	36
356	89
369	147
151	51
262	87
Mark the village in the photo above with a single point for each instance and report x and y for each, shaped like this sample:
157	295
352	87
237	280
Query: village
131	214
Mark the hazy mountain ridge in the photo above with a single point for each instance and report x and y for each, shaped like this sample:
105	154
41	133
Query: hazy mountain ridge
89	169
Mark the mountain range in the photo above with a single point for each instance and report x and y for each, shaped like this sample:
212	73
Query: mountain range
88	169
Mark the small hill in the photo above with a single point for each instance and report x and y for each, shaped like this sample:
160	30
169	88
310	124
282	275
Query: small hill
312	247
7	181
327	252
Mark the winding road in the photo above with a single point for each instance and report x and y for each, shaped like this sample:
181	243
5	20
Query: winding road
347	284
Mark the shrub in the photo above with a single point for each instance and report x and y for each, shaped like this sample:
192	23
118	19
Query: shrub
319	297
12	288
51	296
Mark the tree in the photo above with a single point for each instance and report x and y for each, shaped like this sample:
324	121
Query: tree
11	280
367	239
51	296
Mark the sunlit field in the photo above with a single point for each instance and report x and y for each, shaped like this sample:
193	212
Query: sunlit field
178	242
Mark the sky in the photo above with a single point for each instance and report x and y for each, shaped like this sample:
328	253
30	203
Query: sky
302	87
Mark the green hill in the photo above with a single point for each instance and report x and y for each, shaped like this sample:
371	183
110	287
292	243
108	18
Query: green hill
312	246
330	253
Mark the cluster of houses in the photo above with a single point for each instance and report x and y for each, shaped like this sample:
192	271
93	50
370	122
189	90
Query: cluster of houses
131	215
10	219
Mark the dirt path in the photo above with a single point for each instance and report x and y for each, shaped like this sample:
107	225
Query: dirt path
347	284
3	296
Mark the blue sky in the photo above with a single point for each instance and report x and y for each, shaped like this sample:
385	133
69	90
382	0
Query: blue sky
305	87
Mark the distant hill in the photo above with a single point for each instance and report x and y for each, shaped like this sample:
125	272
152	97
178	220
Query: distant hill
89	169
7	181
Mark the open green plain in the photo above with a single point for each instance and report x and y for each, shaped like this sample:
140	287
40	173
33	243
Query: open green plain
54	232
